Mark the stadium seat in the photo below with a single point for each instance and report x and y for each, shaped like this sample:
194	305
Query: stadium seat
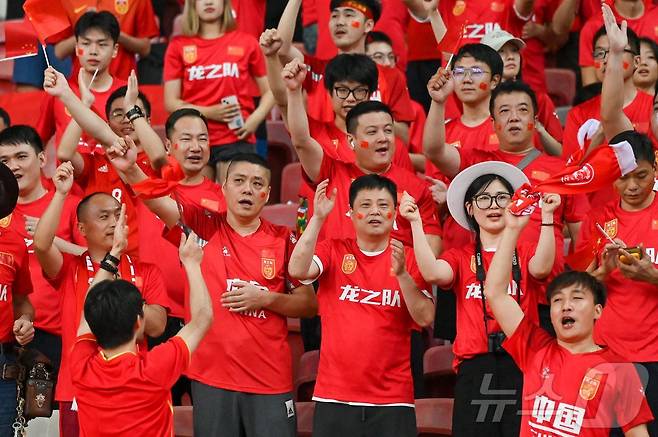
281	214
183	422
438	372
305	412
291	179
278	156
308	372
561	85
434	417
277	133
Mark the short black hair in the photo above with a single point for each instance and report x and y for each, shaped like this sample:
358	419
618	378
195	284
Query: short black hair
111	310
82	206
633	39
177	115
352	118
102	20
373	182
375	6
583	279
478	185
252	158
4	115
121	92
482	53
21	134
509	87
354	67
376	36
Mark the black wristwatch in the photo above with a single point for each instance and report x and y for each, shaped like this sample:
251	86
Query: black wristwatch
134	113
112	259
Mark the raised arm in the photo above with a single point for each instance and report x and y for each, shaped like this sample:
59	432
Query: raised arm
286	31
423	10
270	44
541	264
505	308
309	151
420	307
301	265
524	8
444	156
613	119
200	304
564	16
435	271
49	256
136	45
67	150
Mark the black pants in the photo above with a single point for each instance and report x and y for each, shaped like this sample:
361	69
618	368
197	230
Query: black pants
488	397
48	344
651	393
333	419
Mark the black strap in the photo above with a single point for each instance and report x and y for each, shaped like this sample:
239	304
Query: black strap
527	160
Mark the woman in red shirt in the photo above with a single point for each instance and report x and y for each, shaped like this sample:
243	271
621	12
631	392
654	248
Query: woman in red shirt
217	69
487	378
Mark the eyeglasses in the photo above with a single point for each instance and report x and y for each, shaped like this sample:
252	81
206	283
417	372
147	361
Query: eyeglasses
476	73
600	54
484	201
359	93
383	57
117	114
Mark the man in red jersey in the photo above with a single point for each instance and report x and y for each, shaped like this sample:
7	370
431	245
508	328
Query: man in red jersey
242	371
97	36
370	132
16	312
97	215
21	150
628	323
371	297
350	21
119	388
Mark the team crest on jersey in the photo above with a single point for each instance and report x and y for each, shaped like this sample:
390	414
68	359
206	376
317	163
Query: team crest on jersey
349	264
267	267
121	6
7	259
497	6
611	228
459	8
589	386
5	221
473	265
189	54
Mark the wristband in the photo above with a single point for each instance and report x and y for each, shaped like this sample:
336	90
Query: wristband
109	267
134	113
112	259
548	224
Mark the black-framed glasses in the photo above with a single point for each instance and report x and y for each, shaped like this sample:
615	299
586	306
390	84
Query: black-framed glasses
600	54
476	73
359	93
484	201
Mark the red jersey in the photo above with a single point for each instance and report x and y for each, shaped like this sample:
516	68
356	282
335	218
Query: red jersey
55	117
644	26
421	42
628	324
391	90
14	278
72	282
534	53
471	339
251	349
416	129
250	16
136	18
133	386
638	111
212	69
45	299
363	314
341	175
569	395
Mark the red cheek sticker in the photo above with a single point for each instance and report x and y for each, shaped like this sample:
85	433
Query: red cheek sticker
483	86
175	145
263	194
499	127
364	144
531	126
597	64
79	51
356	24
626	65
359	216
389	215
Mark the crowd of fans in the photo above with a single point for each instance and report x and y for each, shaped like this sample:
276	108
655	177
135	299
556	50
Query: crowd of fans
139	263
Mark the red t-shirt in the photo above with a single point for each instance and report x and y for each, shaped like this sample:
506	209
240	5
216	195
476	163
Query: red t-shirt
392	90
421	42
14	278
534	55
45	299
548	117
646	25
628	324
136	18
148	279
568	395
250	16
55	117
638	111
132	386
363	315
417	127
341	175
250	350
471	337
211	69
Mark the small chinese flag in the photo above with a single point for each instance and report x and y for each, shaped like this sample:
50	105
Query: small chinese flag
49	19
20	40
